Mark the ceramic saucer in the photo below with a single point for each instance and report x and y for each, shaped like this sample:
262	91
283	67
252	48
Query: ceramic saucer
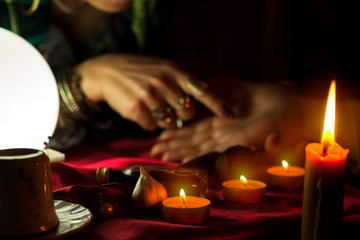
73	217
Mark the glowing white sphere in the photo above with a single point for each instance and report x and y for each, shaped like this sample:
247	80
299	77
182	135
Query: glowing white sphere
29	101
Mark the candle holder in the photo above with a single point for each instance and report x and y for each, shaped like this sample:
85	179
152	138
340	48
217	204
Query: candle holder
243	191
286	177
186	209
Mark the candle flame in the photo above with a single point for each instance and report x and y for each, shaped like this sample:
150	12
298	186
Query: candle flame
183	196
243	180
285	165
329	122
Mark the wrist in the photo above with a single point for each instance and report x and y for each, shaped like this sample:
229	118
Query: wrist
74	103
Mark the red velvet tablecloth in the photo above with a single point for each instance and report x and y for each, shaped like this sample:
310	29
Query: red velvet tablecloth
277	217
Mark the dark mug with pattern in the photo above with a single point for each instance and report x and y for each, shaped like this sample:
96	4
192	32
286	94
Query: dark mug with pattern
26	198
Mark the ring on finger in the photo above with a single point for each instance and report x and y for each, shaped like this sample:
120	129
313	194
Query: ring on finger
164	113
184	103
196	87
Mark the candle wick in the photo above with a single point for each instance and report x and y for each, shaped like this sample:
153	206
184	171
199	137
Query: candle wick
325	149
183	200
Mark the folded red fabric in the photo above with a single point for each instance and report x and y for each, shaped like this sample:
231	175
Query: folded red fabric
278	216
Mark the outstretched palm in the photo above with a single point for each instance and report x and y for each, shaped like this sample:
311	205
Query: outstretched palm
269	118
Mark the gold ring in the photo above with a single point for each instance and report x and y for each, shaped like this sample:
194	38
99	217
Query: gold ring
197	87
184	103
164	113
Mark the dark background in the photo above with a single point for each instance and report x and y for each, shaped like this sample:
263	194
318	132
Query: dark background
306	42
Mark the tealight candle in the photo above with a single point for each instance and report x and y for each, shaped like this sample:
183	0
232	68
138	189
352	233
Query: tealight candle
243	190
186	209
286	176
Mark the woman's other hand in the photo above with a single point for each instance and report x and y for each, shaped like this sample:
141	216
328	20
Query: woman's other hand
268	118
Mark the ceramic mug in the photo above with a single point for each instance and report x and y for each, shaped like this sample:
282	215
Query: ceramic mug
26	198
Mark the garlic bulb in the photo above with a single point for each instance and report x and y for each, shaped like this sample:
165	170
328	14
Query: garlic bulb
147	191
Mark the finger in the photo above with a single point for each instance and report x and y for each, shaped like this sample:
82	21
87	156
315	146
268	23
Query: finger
176	144
208	97
189	136
161	112
140	115
169	92
179	156
179	144
158	149
166	135
193	153
187	131
208	146
193	86
172	157
184	107
122	100
169	134
184	146
164	115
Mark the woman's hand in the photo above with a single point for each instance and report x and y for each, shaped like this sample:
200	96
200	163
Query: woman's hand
149	91
268	118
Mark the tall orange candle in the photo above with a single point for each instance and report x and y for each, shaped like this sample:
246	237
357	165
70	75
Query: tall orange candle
324	182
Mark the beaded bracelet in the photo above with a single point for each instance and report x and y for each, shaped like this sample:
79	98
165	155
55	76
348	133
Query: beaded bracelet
67	97
74	103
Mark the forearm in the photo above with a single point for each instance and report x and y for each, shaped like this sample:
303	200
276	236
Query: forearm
76	111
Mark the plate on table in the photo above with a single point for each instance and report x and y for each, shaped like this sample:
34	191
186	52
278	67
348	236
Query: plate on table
73	217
